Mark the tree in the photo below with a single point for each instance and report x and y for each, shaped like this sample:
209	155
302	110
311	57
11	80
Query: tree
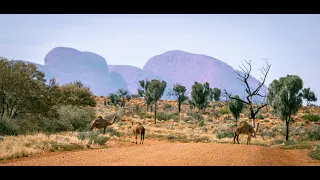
308	95
23	90
179	92
76	95
78	84
155	91
285	98
216	94
200	95
143	92
251	93
120	97
114	98
236	108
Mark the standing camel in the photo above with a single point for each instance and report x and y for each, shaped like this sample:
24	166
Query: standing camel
138	129
245	128
100	123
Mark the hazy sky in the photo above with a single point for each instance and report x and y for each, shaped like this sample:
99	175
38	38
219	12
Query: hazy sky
290	42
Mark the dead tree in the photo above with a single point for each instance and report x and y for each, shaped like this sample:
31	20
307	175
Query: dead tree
244	77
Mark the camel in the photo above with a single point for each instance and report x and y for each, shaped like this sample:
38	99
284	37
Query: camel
245	128
100	123
138	129
1	138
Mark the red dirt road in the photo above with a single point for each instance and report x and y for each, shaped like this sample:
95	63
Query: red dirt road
172	154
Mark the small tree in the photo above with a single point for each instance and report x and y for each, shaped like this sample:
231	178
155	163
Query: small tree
216	94
123	96
179	92
308	95
114	99
236	108
143	92
120	97
73	94
285	99
244	77
200	95
155	91
23	90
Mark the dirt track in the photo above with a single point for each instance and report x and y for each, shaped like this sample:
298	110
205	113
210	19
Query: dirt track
172	154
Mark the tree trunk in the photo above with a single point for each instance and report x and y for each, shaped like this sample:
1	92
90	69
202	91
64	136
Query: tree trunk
253	118
287	133
147	107
179	106
253	122
155	113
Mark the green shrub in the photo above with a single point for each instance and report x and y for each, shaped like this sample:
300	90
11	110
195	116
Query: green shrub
165	116
224	111
187	119
267	134
206	113
224	134
315	153
82	135
190	113
197	116
289	142
201	124
95	138
314	135
112	132
8	127
74	118
169	137
167	106
278	141
311	117
201	139
260	116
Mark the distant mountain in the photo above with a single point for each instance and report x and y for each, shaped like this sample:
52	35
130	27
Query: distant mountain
186	68
68	65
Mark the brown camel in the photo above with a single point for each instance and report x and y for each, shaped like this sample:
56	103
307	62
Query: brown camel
245	128
138	129
100	123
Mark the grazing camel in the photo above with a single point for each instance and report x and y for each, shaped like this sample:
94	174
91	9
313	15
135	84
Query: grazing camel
100	123
138	129
245	128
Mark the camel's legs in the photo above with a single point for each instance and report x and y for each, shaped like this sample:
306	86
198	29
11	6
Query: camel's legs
238	139
234	138
249	138
104	130
141	138
136	138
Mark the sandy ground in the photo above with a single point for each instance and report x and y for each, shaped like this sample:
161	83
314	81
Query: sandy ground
155	153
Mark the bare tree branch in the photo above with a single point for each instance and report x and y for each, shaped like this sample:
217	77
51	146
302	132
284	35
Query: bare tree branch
258	109
231	97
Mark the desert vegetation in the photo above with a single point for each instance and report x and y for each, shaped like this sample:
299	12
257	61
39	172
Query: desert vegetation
39	115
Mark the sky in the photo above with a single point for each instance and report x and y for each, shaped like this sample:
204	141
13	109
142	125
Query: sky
291	43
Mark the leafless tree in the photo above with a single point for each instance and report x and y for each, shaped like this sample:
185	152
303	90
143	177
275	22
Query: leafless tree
244	77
